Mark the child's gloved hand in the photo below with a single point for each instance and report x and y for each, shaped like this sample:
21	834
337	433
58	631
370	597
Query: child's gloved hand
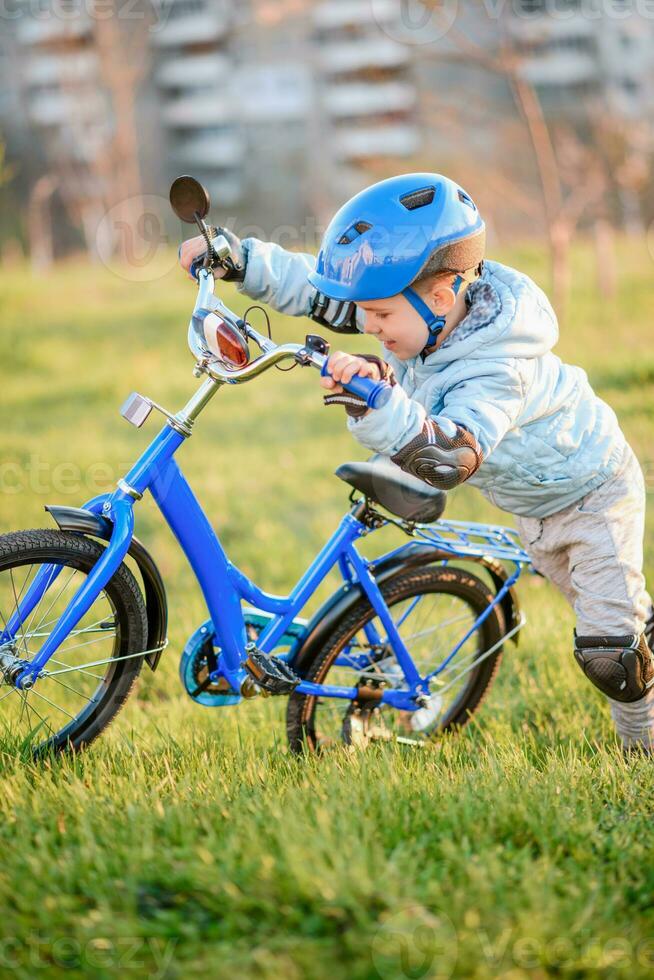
194	249
342	368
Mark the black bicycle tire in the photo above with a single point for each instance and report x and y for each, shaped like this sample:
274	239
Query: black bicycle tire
77	551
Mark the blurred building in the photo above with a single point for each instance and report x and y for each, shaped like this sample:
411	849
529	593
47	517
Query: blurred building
193	65
9	90
574	59
66	106
234	106
367	88
283	108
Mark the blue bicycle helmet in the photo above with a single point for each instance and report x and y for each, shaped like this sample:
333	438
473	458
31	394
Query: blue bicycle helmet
380	241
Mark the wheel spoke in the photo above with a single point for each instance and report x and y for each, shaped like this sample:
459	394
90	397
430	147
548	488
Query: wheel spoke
51	703
61	663
109	660
434	621
52	575
91	628
36	712
22	709
60	711
16	605
56	598
434	629
407	612
85	643
69	688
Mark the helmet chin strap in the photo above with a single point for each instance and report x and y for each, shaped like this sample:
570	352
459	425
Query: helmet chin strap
435	323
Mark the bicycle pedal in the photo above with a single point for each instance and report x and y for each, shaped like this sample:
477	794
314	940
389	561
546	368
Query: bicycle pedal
271	673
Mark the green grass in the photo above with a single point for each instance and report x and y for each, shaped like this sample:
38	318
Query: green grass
187	842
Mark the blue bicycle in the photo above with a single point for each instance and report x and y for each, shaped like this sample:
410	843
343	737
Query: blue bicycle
404	650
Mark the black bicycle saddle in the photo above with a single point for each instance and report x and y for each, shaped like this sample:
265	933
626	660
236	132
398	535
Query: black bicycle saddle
400	493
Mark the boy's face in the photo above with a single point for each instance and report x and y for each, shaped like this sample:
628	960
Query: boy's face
398	326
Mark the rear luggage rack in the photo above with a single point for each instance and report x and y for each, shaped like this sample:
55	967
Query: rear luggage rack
466	538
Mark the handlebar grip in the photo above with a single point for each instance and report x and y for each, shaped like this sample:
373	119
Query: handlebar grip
374	393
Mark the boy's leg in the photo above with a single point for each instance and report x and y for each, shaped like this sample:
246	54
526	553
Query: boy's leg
601	538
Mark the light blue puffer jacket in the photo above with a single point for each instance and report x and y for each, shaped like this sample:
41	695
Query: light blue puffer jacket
546	437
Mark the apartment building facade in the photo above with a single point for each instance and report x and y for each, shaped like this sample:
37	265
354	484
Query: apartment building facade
283	110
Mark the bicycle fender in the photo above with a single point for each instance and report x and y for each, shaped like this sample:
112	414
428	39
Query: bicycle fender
419	554
156	604
345	598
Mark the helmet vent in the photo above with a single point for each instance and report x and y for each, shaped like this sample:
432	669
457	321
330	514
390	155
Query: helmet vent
418	199
357	229
466	199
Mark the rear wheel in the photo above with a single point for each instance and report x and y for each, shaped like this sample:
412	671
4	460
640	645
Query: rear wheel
434	608
88	678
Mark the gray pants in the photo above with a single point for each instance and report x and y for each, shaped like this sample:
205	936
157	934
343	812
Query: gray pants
593	552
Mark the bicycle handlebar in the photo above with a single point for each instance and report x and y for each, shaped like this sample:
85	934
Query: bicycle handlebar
374	393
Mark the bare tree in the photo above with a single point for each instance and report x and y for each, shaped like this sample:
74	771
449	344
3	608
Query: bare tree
576	175
40	223
6	171
123	56
506	62
93	163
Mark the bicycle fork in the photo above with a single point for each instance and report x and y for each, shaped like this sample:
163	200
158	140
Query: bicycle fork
120	511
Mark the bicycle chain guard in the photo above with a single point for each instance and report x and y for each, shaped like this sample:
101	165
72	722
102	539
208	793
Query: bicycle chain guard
196	662
196	666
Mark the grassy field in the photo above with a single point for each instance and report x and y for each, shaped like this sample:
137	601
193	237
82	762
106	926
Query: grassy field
187	842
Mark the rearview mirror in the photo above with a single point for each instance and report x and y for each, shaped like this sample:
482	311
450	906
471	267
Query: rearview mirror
189	199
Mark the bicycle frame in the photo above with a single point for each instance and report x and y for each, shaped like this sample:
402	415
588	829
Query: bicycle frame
223	585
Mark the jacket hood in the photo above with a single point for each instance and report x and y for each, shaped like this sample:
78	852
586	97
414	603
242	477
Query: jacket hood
509	316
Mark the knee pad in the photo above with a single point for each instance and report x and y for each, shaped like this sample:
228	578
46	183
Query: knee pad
622	667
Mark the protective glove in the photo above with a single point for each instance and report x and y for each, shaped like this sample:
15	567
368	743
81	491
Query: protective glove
354	405
233	266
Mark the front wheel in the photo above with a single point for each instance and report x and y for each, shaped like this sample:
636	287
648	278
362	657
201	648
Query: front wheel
91	674
434	608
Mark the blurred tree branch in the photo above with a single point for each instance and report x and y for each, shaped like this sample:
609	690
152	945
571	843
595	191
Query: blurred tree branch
7	171
576	173
94	160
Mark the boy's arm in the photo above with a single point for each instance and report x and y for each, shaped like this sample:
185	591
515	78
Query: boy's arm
446	449
279	278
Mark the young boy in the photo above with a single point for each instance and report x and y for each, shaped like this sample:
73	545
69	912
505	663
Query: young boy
479	396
